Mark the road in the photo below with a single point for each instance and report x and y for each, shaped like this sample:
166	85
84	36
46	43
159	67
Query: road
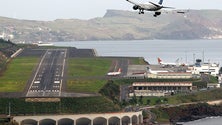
48	79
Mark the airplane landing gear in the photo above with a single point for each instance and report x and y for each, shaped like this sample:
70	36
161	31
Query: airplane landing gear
141	11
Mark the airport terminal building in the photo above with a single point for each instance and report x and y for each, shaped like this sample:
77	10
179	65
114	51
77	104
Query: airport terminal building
159	88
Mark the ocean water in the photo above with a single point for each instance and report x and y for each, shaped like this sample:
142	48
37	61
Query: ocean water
187	51
206	121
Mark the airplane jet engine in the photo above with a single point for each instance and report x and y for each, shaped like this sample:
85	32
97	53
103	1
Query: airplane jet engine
157	14
135	7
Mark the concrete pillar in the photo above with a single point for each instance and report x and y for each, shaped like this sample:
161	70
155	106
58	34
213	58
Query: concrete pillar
120	121
38	122
56	122
91	121
74	121
131	121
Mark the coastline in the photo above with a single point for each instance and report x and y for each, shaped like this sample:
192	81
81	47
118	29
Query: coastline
203	120
192	112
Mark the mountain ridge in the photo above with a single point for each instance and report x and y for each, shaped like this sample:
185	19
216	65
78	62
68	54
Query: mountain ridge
117	25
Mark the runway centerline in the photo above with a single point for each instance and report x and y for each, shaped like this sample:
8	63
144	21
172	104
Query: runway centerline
48	78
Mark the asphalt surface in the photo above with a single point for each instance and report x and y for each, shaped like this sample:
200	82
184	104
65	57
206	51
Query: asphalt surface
48	79
119	63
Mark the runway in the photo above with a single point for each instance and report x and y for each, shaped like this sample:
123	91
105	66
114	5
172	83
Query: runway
49	76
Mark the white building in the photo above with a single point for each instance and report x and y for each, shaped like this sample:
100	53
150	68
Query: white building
159	88
206	68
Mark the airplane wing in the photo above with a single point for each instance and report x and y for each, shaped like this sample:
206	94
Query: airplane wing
161	6
155	4
168	7
132	2
175	11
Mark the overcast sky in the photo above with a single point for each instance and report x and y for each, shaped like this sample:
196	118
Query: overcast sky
85	9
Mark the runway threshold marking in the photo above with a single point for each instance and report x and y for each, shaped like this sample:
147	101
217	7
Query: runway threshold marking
61	75
37	71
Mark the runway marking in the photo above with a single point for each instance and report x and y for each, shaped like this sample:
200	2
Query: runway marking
63	68
37	82
56	82
49	87
37	71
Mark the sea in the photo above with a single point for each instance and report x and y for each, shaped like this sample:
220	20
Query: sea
187	51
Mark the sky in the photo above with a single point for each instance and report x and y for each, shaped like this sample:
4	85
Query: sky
48	10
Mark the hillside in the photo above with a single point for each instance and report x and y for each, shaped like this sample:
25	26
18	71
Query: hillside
117	25
7	48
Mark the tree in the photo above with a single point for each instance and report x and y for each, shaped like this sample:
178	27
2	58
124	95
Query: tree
133	100
158	101
148	101
141	100
165	100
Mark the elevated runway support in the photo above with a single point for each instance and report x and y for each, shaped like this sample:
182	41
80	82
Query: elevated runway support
121	118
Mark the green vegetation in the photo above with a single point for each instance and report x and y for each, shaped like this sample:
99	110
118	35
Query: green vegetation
138	61
111	91
213	79
84	85
82	74
66	105
6	49
215	94
161	116
127	26
79	67
17	74
88	75
209	95
200	84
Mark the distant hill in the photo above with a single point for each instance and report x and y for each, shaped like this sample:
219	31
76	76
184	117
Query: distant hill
117	25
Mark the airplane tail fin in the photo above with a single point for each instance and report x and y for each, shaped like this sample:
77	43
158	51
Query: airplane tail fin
161	2
159	60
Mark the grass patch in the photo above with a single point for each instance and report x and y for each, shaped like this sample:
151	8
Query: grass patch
83	85
88	66
17	74
67	105
138	61
87	69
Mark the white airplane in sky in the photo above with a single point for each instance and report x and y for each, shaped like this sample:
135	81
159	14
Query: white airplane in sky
150	6
114	73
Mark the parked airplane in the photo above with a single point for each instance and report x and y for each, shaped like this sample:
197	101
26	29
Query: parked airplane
150	6
114	73
167	63
155	71
176	63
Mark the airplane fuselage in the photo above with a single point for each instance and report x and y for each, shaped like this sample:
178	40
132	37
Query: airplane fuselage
150	7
